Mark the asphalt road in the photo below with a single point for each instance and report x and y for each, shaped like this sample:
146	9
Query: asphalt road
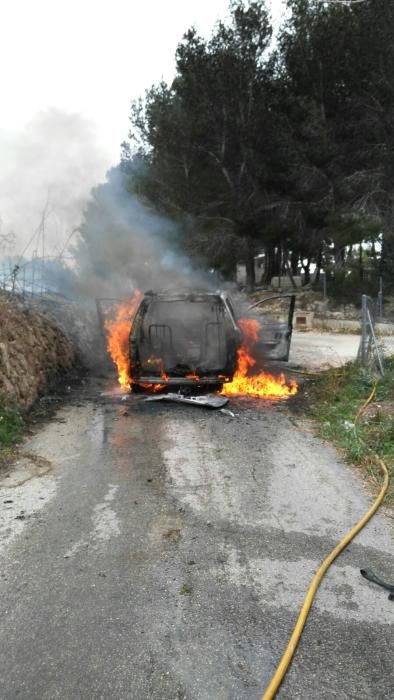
167	550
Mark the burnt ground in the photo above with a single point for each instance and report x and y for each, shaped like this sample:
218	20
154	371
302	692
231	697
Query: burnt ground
165	550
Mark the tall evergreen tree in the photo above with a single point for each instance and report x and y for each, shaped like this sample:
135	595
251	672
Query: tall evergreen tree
212	141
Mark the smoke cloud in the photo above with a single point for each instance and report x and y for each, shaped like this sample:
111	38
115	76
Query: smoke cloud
125	244
48	168
97	240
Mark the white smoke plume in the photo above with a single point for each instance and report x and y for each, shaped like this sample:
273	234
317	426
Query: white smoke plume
125	244
48	168
97	239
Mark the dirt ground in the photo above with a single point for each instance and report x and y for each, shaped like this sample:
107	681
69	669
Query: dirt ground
323	350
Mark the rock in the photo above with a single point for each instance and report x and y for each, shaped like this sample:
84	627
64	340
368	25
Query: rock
32	349
4	359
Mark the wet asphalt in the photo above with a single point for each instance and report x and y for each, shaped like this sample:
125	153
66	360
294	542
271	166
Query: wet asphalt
166	553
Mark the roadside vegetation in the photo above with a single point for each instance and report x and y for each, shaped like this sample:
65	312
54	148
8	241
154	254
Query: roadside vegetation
11	426
11	423
334	401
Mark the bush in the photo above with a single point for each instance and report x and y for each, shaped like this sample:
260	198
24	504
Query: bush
11	423
347	286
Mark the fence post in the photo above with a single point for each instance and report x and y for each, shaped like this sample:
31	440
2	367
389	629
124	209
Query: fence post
375	343
380	298
363	355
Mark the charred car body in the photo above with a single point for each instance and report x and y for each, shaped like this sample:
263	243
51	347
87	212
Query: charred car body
184	338
275	336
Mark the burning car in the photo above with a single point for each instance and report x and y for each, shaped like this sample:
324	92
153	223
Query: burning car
192	340
183	338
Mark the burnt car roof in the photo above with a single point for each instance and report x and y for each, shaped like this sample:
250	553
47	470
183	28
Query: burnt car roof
186	294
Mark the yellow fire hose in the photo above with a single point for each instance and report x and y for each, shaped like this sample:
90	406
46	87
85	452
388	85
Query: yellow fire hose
281	670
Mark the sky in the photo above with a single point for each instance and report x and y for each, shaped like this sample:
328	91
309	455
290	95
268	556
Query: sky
91	57
69	70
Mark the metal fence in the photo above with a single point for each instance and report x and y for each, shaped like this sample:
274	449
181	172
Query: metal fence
35	277
346	289
25	279
369	352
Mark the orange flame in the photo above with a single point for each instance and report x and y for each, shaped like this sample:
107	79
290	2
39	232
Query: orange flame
192	375
118	332
157	363
153	387
262	385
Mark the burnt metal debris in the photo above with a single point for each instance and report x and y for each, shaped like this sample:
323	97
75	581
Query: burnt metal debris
373	578
207	401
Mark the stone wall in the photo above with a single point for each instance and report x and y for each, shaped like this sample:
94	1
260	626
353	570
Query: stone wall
33	350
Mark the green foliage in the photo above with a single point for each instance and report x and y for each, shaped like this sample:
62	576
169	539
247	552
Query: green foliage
11	423
211	140
334	400
186	589
346	286
387	261
287	150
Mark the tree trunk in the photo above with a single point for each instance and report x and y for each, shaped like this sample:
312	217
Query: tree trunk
228	268
289	272
307	272
250	268
294	263
360	260
339	256
270	267
318	266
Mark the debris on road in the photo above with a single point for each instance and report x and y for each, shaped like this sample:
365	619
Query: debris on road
173	534
373	578
227	412
208	400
